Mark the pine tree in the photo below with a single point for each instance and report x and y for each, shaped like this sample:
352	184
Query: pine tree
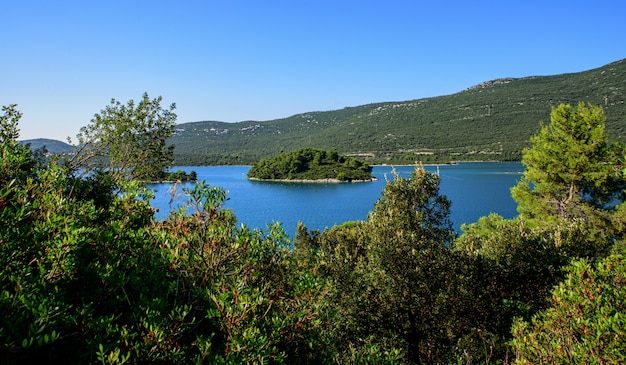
571	170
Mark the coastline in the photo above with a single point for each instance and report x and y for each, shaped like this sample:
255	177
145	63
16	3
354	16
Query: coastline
317	181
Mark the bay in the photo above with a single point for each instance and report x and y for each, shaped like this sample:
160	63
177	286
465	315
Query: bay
475	189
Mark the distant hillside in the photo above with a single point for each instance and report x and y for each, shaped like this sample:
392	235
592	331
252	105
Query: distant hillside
490	121
52	146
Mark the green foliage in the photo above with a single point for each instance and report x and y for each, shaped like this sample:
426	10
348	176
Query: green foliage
490	121
15	159
129	140
89	276
520	263
570	203
398	289
311	164
586	322
258	308
570	170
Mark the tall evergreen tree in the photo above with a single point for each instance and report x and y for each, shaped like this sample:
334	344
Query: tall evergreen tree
570	170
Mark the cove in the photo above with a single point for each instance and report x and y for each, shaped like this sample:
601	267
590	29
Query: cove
475	189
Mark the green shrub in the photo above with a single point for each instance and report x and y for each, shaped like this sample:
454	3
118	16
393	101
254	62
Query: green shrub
586	322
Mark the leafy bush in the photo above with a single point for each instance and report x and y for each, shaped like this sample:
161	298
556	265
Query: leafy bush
586	322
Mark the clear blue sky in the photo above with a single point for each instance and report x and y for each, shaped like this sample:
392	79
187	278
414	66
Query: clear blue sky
63	61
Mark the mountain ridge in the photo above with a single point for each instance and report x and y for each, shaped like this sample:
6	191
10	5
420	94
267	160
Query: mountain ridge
492	120
51	145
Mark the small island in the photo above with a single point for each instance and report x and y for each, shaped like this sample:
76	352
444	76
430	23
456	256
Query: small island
178	175
311	165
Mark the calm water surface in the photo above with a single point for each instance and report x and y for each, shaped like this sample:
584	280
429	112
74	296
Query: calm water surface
475	189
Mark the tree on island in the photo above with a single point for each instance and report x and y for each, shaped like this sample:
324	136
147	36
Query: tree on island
178	175
128	140
311	164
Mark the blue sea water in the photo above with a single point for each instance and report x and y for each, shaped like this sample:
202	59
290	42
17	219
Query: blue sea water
475	189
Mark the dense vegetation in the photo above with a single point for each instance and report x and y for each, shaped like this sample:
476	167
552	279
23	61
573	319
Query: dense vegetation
88	275
178	175
311	164
490	121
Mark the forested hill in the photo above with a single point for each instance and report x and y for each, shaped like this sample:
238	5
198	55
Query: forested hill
490	121
51	145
